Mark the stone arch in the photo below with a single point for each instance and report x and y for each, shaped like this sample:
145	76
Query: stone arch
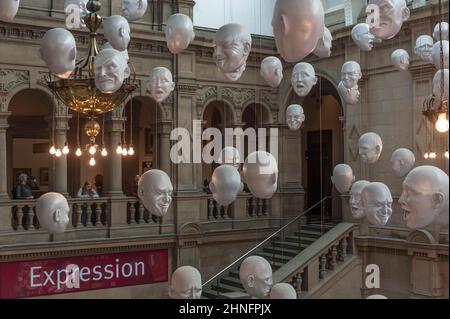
421	236
144	99
228	109
190	228
267	112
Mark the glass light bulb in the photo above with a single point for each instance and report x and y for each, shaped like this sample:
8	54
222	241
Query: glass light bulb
58	153
446	155
78	152
92	150
124	151
119	149
131	151
92	161
65	150
442	124
52	150
432	155
104	152
426	155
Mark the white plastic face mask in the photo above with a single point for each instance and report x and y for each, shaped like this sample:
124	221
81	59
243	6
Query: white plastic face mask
295	117
297	27
160	83
186	283
111	69
303	78
58	50
272	71
133	10
179	32
425	197
8	9
52	210
400	59
392	15
362	37
232	48
155	191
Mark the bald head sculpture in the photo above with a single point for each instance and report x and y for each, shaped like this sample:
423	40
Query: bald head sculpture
424	198
155	191
111	69
225	184
117	32
362	37
298	25
392	15
255	275
179	32
282	290
186	283
370	147
377	203
342	177
260	172
356	200
160	83
232	48
8	9
272	71
424	46
303	78
323	47
402	161
52	211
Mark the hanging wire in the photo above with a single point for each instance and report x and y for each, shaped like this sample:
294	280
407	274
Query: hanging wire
131	121
103	130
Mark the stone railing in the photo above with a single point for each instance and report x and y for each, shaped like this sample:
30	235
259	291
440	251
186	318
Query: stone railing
258	207
137	214
217	211
319	261
83	213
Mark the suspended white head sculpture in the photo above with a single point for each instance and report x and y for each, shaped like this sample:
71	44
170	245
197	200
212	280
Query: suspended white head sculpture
272	71
440	81
117	32
356	199
303	78
230	156
133	10
377	203
376	297
283	290
179	32
225	184
260	173
350	74
370	147
111	69
350	96
52	210
424	199
186	283
297	26
402	161
362	37
400	59
108	45
232	48
155	191
392	15
324	45
160	83
8	9
436	55
424	47
444	29
255	275
342	177
75	11
59	51
295	117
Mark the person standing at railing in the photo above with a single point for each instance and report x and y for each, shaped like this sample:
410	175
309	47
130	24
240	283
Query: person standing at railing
87	191
23	190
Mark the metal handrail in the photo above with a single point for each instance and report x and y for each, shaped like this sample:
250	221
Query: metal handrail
265	240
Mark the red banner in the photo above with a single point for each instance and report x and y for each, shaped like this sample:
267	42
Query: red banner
63	275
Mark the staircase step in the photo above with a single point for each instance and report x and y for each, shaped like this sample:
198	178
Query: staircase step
281	251
310	233
296	240
277	258
209	294
225	288
234	274
231	281
318	227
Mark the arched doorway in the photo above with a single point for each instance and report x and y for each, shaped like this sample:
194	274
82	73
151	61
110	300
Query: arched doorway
29	138
219	115
255	116
322	142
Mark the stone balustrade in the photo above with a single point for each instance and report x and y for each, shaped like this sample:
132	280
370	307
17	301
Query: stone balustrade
254	207
319	261
137	214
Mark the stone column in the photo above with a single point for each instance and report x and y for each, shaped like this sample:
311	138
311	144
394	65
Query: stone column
3	168
165	162
61	127
114	167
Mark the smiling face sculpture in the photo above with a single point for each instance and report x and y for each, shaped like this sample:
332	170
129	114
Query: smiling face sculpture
303	78
295	117
231	49
356	199
155	191
377	203
392	15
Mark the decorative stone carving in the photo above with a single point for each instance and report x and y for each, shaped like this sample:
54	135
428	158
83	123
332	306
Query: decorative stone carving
9	79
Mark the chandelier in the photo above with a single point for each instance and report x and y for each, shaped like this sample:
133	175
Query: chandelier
79	92
436	111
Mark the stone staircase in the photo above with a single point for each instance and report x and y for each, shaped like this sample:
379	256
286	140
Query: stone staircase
277	252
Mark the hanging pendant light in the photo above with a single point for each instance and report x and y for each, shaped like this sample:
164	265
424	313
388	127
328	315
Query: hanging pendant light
92	161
